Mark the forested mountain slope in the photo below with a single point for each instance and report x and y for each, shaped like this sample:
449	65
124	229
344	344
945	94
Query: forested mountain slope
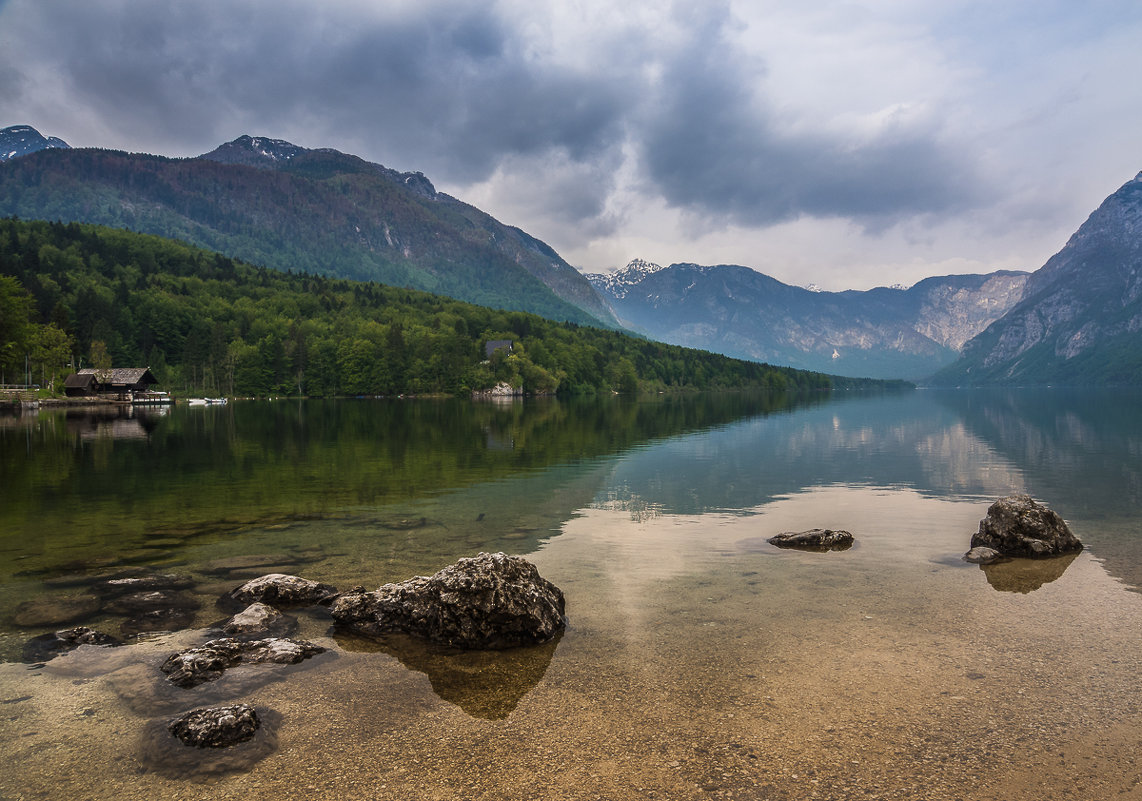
323	212
206	323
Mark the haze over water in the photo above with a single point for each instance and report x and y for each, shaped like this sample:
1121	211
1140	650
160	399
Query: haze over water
700	662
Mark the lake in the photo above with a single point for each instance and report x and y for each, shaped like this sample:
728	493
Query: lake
700	662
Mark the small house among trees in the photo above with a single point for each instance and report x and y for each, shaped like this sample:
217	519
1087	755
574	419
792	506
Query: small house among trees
79	385
122	382
496	344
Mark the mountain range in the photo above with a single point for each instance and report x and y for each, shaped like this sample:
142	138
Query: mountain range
879	333
267	201
321	211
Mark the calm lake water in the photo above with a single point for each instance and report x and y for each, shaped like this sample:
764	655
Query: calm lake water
700	662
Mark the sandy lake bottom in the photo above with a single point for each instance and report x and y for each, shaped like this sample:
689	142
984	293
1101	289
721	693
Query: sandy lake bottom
700	663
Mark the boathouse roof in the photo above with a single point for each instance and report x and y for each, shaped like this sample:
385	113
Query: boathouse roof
120	376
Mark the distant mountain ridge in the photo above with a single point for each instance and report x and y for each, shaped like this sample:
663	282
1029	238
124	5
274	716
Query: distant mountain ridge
20	140
879	333
272	203
1080	318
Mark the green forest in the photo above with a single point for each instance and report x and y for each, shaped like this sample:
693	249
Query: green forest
84	295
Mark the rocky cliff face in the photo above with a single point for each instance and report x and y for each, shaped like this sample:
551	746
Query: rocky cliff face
20	140
880	333
1080	318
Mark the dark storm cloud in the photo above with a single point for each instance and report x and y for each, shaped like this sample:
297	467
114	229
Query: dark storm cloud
457	91
713	148
438	87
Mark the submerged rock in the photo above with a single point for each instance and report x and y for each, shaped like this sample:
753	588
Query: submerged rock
164	619
487	601
280	589
154	610
216	726
49	646
135	584
1019	526
54	610
209	661
981	555
248	562
144	601
815	539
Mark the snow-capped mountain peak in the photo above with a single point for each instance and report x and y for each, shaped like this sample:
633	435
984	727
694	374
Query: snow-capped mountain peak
20	140
618	283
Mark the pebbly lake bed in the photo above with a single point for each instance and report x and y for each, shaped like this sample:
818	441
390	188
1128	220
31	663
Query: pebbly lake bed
699	661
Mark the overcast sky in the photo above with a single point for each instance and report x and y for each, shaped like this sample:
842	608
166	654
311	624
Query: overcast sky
850	144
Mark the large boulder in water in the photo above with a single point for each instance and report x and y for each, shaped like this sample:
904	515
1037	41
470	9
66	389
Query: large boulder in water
1019	526
486	601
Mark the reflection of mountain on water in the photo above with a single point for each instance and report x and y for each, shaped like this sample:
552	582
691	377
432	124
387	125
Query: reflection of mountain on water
485	684
1081	451
894	440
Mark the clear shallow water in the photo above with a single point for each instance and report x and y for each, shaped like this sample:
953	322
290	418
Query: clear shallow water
700	662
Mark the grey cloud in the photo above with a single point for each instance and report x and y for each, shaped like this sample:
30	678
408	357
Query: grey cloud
446	89
710	149
452	89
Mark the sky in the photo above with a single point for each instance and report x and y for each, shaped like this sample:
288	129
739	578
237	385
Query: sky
846	144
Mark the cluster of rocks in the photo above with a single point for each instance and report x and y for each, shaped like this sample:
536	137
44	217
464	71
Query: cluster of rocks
490	601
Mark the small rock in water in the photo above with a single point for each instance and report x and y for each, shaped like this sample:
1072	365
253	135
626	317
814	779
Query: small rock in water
258	621
981	555
216	726
1019	526
209	661
49	646
488	601
280	589
815	539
